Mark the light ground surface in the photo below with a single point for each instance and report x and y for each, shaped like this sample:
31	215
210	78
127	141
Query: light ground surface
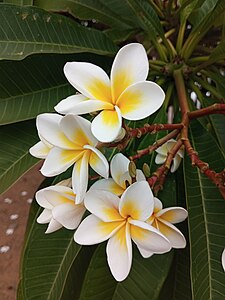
14	209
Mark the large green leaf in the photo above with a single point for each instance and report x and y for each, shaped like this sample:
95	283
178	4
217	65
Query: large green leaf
26	30
15	159
147	17
206	219
36	84
19	2
85	10
32	86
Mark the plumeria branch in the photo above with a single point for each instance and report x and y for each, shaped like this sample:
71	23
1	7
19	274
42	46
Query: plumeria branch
156	145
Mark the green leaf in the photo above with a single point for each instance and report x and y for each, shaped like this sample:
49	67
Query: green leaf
147	18
32	86
206	219
19	2
85	10
15	159
36	84
27	30
219	52
202	12
144	281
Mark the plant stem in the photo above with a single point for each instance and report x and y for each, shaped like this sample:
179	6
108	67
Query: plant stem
208	87
181	91
213	109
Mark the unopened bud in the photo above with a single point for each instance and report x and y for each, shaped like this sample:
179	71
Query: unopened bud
146	170
132	169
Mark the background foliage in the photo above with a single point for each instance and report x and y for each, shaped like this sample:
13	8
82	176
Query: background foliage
36	39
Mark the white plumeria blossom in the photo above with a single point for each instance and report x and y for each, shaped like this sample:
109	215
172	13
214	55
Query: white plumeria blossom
41	149
164	150
164	218
60	208
126	95
119	170
223	259
121	220
72	144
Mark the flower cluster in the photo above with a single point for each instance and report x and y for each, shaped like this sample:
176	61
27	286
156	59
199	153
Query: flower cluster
122	208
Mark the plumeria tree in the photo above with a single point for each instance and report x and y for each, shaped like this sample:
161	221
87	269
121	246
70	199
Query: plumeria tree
124	103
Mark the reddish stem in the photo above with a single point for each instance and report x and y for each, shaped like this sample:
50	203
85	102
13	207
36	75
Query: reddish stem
213	109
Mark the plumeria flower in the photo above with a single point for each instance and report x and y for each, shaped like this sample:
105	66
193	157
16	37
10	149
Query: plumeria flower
72	144
126	95
120	221
164	150
223	260
164	218
120	175
60	208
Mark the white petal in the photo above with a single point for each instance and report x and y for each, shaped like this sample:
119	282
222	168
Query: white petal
130	66
176	163
160	159
147	237
103	204
53	226
163	150
48	127
173	234
106	125
93	231
172	214
98	162
137	201
59	160
140	100
45	216
71	105
108	185
119	253
39	150
80	177
68	214
118	166
140	175
157	205
145	253
42	200
223	260
89	79
78	130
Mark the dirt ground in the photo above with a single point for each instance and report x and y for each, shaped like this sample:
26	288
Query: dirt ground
14	209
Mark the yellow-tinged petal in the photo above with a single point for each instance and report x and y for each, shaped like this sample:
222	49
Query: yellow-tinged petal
68	106
39	150
140	100
147	237
48	126
106	125
103	204
93	231
89	79
78	130
137	201
172	214
173	234
108	185
80	177
119	253
59	160
130	66
98	162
